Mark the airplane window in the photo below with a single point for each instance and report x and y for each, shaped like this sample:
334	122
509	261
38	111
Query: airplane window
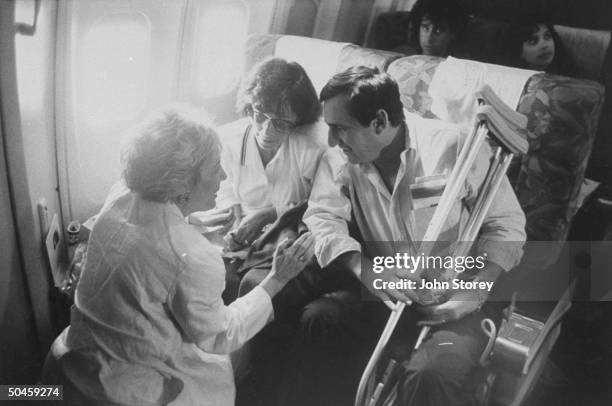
222	32
112	68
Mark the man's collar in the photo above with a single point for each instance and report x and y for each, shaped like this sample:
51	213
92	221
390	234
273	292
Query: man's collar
410	138
407	139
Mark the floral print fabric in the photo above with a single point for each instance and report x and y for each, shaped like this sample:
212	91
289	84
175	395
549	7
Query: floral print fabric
562	119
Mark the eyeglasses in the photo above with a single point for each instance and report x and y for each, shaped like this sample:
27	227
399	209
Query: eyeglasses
279	124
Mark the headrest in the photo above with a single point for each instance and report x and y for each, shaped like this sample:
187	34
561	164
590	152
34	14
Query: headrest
455	82
355	55
587	47
318	57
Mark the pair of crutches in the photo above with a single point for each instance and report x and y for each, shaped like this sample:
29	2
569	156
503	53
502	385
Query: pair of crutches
503	124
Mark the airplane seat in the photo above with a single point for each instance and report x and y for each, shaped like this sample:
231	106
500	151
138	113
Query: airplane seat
354	54
562	115
587	47
320	58
562	118
484	41
259	47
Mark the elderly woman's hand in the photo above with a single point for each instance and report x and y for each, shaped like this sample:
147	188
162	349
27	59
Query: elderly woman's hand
289	260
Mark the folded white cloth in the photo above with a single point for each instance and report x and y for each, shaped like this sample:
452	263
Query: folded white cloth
455	81
318	58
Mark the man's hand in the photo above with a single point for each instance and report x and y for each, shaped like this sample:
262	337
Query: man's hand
353	261
458	305
250	226
394	276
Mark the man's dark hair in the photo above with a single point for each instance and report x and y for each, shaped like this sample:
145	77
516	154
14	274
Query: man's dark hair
368	90
274	83
451	12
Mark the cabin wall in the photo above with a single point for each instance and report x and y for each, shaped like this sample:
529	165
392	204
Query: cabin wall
35	63
337	20
35	82
19	355
25	321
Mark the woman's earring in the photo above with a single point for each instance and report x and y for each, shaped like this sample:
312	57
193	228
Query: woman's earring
182	199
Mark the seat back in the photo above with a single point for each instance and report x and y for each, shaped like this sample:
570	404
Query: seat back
562	116
484	41
562	121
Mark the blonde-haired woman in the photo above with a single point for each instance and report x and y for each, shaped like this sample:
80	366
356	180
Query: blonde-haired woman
148	326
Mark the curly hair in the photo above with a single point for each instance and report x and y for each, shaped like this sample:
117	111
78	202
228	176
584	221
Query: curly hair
163	160
274	84
368	90
452	12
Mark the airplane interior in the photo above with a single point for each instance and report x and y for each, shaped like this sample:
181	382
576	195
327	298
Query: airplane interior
78	77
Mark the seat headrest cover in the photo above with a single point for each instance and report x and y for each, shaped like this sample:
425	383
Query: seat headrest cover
318	57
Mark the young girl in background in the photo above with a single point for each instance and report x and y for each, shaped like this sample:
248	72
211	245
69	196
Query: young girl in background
533	43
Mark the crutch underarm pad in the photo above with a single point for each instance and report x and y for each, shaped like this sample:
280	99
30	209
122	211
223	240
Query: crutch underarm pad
499	128
512	117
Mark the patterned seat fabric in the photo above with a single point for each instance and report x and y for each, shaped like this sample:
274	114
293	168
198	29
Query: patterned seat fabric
562	122
562	119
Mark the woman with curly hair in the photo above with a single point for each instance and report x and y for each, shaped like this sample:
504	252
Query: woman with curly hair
271	154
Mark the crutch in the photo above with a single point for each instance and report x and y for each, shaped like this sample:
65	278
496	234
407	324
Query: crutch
502	124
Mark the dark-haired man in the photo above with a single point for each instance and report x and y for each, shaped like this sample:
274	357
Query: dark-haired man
393	156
